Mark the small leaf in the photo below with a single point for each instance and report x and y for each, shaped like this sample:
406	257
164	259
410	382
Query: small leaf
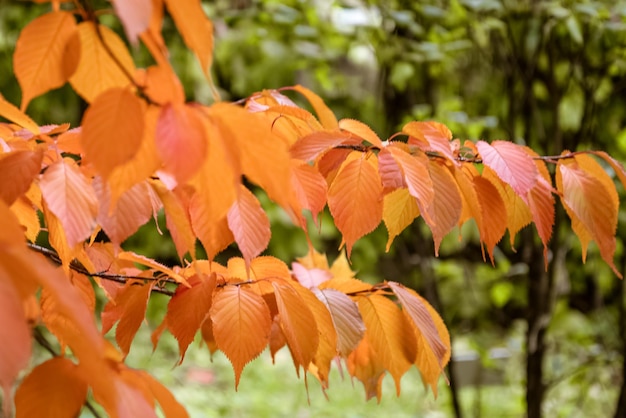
310	188
541	204
112	129
493	214
181	140
399	211
135	16
71	198
249	224
430	136
324	114
361	130
241	325
55	388
355	199
367	366
511	163
18	169
148	262
311	146
39	54
12	113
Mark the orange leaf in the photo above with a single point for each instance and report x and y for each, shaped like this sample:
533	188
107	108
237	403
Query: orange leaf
309	147
346	319
431	333
55	388
297	323
176	206
446	207
367	366
430	136
112	129
541	204
15	334
589	197
391	175
12	113
361	130
129	308
511	163
97	71
188	308
170	406
399	211
324	114
181	140
389	333
249	224
71	198
355	199
135	16
310	188
493	214
17	172
241	325
39	54
195	28
132	210
28	217
163	86
615	165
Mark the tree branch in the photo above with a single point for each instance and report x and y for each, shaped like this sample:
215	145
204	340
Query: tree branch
76	266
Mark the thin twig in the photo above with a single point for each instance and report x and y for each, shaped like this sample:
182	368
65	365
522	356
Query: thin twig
119	278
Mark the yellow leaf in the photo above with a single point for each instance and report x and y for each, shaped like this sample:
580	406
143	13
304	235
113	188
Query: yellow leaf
324	114
399	211
12	113
97	71
389	333
27	215
113	127
241	325
39	54
367	366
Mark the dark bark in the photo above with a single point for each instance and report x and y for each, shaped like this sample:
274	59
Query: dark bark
620	410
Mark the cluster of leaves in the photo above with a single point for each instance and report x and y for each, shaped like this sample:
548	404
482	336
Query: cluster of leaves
141	149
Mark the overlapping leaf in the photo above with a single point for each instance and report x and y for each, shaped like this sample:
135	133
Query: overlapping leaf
346	319
249	224
355	199
18	169
493	214
399	211
135	16
39	54
430	136
445	210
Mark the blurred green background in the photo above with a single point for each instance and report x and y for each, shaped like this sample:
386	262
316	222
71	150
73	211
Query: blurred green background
548	74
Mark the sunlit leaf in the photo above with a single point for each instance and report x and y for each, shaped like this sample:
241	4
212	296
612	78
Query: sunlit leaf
310	188
324	114
430	136
346	319
249	224
18	169
493	219
135	16
445	209
361	130
12	113
39	54
399	211
367	366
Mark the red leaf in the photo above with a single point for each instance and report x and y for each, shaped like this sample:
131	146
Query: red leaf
511	163
249	224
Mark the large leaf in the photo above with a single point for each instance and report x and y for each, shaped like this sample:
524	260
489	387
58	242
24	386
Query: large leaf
310	188
541	204
181	140
493	214
355	199
71	198
39	54
367	366
188	308
97	70
445	210
178	222
195	28
249	224
18	169
55	388
241	325
112	129
511	163
389	333
297	323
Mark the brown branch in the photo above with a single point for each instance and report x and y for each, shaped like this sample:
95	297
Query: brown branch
76	266
43	341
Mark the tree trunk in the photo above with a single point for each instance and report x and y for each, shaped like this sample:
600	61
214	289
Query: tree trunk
620	411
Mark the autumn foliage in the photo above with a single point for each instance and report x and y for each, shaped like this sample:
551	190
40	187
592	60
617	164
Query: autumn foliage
141	148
